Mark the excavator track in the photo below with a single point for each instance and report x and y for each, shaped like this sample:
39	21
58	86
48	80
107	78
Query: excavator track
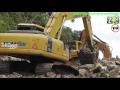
36	67
59	68
5	67
65	69
43	68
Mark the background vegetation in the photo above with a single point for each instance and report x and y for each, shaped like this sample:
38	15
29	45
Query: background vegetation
9	20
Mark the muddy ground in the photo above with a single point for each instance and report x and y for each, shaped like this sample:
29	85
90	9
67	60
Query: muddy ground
102	69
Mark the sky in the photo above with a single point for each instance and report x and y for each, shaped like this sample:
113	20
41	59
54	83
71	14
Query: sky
101	29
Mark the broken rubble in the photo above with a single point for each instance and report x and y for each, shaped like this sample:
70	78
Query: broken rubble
87	66
117	62
68	76
102	69
83	72
51	74
3	76
58	76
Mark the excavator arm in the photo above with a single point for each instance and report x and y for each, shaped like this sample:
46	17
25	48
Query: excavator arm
55	23
104	48
54	27
86	38
87	32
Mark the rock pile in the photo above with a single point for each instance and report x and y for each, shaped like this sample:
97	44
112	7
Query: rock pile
102	69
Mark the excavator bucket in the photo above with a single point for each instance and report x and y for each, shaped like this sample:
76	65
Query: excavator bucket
88	57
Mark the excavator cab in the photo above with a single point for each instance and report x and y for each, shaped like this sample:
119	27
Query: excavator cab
28	28
74	46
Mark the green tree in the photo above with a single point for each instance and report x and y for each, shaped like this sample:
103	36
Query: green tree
66	35
36	17
9	20
76	35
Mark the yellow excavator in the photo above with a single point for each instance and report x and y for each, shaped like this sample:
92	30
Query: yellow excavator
44	49
86	37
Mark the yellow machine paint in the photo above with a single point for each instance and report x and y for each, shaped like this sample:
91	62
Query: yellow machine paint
41	49
54	25
35	44
77	45
33	25
48	45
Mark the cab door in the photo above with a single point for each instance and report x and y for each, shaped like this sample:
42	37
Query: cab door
49	46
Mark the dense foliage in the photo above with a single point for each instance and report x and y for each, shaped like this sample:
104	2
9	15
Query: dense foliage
69	35
9	20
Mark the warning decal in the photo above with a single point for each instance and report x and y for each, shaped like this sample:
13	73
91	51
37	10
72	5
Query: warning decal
34	46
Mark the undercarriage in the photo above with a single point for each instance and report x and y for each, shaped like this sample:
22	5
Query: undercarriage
41	65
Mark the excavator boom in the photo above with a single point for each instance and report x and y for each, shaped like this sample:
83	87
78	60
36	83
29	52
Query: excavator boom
104	49
54	27
88	31
55	23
